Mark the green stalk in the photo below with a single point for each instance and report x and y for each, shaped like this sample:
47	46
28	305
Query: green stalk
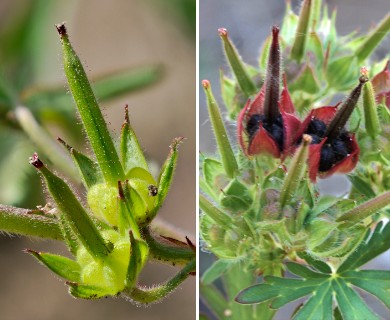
295	172
29	223
151	295
90	113
159	250
373	40
220	217
214	300
363	211
237	65
75	215
45	142
224	147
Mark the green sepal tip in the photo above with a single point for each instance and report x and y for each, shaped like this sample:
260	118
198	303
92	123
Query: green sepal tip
237	65
131	153
88	169
302	33
91	115
166	175
224	147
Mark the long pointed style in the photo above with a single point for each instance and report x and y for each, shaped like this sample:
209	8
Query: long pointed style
75	215
90	112
340	119
272	80
333	148
267	124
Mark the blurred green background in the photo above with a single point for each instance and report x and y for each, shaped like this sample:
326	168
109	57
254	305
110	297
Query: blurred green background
109	37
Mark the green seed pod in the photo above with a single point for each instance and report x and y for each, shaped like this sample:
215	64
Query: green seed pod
371	119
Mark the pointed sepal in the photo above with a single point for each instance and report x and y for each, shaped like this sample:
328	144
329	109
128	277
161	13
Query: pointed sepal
302	33
91	115
61	266
237	65
138	258
131	153
88	169
72	210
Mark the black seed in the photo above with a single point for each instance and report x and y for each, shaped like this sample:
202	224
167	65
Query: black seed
275	129
340	149
327	158
253	125
316	127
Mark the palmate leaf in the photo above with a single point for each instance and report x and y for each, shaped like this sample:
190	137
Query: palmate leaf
323	287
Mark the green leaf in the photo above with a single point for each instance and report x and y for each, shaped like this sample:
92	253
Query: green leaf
306	81
131	152
373	40
373	245
350	304
342	72
217	269
88	292
114	84
319	306
214	174
303	271
322	288
237	65
323	203
90	112
289	25
106	87
236	197
375	282
361	186
224	147
45	142
62	266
